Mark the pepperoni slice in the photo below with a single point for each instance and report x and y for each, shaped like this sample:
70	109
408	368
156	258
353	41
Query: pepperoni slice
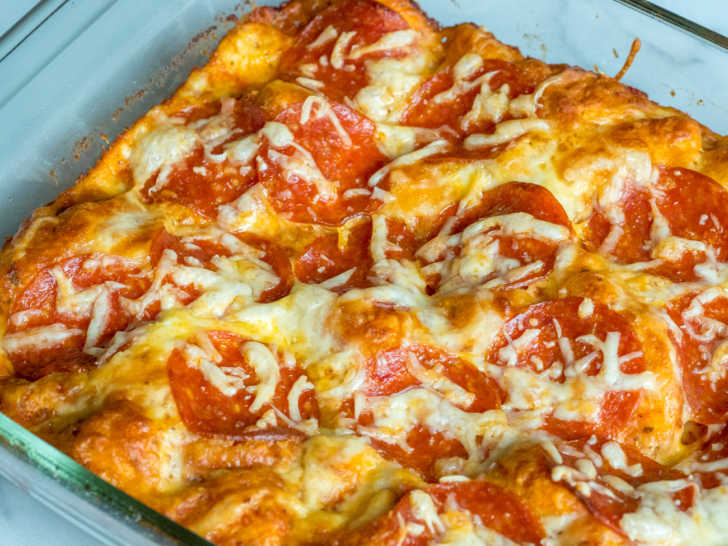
513	197
446	97
342	258
696	207
624	237
203	181
330	49
321	174
224	384
276	257
394	371
60	329
403	242
647	223
565	341
588	467
516	247
424	516
701	339
198	252
398	370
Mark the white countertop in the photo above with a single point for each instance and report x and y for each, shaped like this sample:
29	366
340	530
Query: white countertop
23	520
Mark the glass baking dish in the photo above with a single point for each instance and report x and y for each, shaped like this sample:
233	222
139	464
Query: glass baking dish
75	74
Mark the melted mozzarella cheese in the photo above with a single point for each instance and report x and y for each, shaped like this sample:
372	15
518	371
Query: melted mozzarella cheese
396	140
38	338
467	66
228	380
327	35
244	150
506	131
292	321
266	368
436	147
580	396
614	455
391	83
301	385
659	521
391	40
277	134
323	110
160	150
424	509
396	415
337	53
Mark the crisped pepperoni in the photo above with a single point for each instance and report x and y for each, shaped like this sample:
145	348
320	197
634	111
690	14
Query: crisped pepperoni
280	264
201	184
94	287
423	449
702	343
321	176
403	243
443	101
411	523
311	56
512	197
696	207
256	379
203	181
199	252
626	236
512	249
343	253
683	204
398	370
497	508
565	339
585	463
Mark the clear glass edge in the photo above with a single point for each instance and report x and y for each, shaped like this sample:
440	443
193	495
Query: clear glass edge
31	450
683	24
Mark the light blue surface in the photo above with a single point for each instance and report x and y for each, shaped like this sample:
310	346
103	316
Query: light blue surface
66	66
12	11
23	520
